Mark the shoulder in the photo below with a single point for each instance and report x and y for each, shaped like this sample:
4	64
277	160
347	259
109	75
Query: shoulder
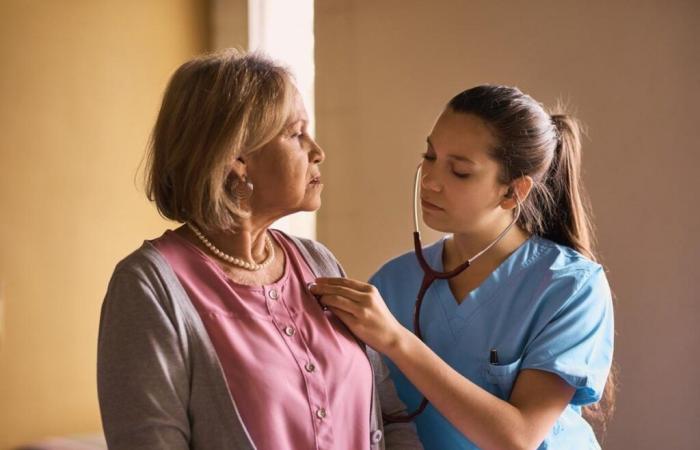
144	288
396	265
144	271
321	260
562	264
405	264
144	262
309	244
567	277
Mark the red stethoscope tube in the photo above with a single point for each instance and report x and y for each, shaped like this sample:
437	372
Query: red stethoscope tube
429	276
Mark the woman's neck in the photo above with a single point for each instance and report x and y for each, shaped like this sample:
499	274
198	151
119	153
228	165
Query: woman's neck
463	246
246	242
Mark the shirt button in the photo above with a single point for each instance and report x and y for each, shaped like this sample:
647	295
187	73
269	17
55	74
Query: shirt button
321	413
376	436
289	331
273	294
310	367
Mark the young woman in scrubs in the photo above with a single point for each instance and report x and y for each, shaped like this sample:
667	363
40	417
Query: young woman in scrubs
518	348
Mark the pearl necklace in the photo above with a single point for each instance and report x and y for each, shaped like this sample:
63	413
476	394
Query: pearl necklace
252	266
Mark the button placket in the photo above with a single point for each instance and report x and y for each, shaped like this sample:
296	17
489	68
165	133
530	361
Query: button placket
271	295
291	326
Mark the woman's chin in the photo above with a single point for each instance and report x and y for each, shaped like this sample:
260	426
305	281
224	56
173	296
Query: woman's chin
311	204
315	206
435	224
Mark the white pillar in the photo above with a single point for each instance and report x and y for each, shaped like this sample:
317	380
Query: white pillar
284	30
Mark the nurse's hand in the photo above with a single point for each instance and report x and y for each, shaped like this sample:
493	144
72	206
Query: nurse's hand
360	306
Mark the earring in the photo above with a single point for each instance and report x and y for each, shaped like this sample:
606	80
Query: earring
242	188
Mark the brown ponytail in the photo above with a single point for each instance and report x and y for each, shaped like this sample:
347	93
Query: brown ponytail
568	216
569	224
547	148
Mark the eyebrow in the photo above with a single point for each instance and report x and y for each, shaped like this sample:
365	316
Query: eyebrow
453	156
296	120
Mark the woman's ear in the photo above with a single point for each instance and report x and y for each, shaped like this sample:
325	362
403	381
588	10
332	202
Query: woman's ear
518	190
239	169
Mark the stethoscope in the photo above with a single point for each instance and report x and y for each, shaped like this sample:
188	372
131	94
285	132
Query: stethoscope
430	275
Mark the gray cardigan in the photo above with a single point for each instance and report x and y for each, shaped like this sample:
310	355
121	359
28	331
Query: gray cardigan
160	383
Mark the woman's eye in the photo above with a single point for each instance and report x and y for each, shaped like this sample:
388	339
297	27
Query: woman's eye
460	175
428	157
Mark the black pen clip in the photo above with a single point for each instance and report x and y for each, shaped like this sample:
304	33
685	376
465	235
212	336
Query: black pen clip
493	358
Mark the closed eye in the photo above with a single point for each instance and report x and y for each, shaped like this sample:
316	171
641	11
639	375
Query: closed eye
431	158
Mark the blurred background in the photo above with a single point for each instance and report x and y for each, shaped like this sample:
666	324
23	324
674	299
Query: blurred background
80	87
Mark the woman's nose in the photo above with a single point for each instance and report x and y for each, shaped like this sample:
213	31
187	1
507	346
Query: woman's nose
428	181
316	155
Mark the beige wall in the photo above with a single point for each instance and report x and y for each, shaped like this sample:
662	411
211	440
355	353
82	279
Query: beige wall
80	84
384	71
228	24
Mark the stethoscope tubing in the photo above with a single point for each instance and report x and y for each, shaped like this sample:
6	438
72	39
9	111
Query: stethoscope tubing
430	275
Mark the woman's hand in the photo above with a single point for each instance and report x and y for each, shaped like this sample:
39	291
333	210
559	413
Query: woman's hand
360	306
538	397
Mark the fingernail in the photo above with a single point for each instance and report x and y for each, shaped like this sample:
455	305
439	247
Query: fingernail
311	286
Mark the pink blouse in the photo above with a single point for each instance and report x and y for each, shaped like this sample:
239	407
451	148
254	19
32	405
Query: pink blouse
297	375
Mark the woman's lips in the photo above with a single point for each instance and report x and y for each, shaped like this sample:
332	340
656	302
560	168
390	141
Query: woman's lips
315	182
429	206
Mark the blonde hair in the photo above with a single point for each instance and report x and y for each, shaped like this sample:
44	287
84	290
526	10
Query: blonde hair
217	107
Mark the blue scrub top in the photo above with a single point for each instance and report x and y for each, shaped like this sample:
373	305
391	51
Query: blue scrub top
545	307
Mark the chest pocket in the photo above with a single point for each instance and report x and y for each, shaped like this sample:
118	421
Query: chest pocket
502	377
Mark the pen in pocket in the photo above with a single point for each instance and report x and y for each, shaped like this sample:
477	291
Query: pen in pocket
493	358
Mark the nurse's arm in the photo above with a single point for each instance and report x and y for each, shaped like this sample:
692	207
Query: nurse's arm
537	400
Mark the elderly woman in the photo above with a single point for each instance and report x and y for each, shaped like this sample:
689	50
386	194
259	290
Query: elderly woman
209	336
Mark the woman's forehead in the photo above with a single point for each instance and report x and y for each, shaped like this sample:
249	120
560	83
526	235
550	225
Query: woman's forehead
462	134
297	111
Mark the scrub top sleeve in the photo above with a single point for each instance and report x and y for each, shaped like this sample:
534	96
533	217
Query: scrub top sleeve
577	342
374	281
